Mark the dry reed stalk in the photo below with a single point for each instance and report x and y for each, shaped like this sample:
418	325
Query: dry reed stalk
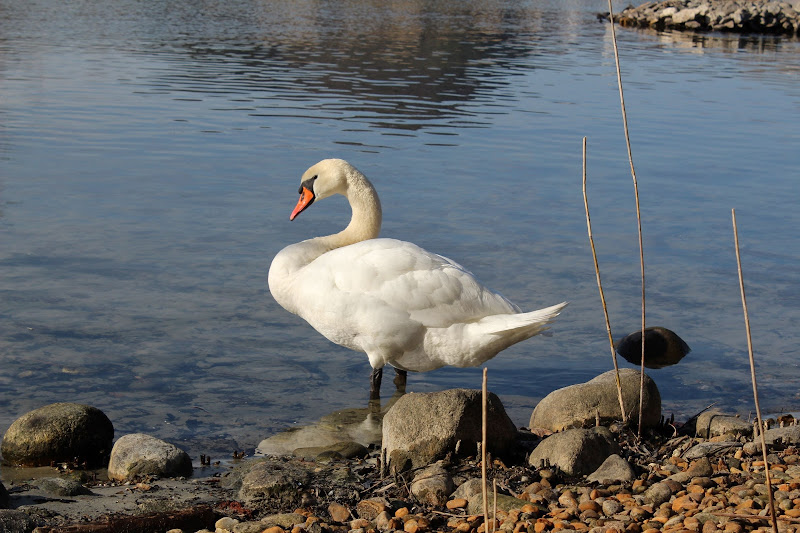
600	288
753	374
636	194
494	506
483	451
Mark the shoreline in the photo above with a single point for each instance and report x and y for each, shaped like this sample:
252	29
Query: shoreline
720	491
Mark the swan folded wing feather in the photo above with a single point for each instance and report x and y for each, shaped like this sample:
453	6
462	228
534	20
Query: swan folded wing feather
433	290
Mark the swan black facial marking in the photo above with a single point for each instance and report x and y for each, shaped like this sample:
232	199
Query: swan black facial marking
308	184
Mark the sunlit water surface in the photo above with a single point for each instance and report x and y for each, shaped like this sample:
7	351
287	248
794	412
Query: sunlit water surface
150	154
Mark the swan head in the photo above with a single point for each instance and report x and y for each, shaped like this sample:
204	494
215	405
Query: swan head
326	178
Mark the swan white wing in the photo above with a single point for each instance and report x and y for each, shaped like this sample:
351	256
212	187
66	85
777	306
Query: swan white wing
387	275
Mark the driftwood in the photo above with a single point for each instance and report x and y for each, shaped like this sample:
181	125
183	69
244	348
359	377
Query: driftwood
191	519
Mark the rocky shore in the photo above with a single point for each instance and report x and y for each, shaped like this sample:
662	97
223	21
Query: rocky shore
742	16
576	468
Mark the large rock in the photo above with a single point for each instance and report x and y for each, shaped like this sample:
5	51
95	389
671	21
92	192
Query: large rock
582	404
279	483
138	454
576	452
614	469
59	432
422	428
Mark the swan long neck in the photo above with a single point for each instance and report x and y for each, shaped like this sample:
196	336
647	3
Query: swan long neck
367	216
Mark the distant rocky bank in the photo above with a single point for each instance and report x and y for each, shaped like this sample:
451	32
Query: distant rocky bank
739	16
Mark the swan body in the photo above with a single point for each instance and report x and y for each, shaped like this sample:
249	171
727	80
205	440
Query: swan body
398	303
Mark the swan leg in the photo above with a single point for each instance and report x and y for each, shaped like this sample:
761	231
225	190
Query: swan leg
400	379
375	383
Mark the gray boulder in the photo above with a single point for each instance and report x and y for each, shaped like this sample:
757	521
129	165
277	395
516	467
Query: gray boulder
138	454
422	428
582	404
61	486
59	432
432	485
278	483
576	452
714	423
614	469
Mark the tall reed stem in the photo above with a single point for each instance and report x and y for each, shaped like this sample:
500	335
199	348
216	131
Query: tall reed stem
484	419
753	374
600	288
636	194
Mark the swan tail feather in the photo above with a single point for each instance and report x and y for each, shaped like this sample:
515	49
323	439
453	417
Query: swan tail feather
532	322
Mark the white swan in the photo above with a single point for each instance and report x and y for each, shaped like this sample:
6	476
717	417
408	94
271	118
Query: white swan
402	305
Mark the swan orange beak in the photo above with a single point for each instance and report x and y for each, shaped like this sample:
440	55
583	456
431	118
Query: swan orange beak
306	199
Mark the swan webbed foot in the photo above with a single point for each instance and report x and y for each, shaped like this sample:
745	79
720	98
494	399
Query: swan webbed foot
375	384
400	379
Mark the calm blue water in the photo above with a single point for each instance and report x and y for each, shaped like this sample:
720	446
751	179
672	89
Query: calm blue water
150	154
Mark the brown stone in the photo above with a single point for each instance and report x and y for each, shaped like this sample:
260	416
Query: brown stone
369	509
457	503
589	505
338	512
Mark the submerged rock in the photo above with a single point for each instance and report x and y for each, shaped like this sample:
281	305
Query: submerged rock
61	433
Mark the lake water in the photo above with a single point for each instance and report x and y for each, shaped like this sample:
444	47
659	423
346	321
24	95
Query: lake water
150	154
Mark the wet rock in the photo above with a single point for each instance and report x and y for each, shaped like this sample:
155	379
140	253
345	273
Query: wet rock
61	433
432	485
714	423
583	404
138	454
662	347
614	469
575	451
59	486
338	450
452	423
362	426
